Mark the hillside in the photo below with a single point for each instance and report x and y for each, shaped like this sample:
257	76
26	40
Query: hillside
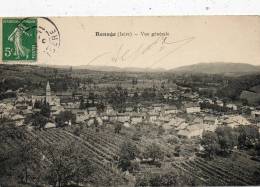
118	69
109	68
218	68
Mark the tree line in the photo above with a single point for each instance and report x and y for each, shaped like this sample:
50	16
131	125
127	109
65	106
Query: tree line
225	139
28	161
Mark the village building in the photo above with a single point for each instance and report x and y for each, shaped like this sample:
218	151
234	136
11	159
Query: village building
104	116
112	116
168	96
210	101
157	107
231	106
6	109
173	123
196	130
126	124
192	108
137	118
211	120
235	121
92	111
123	117
152	117
256	115
170	110
165	118
81	116
71	105
197	120
182	126
220	103
129	109
18	119
49	125
144	110
109	109
56	109
26	112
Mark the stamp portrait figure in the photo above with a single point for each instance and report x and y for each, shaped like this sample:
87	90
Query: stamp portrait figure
16	37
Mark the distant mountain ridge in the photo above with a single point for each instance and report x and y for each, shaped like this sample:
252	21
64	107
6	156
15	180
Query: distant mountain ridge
217	68
227	68
110	68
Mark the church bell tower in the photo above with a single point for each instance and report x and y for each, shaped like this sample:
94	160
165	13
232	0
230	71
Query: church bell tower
48	93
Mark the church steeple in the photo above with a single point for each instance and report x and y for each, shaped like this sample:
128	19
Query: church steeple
48	89
48	93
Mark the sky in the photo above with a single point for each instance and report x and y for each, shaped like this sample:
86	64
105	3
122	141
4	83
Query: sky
187	40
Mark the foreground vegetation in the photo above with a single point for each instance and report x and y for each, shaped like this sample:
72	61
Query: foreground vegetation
67	156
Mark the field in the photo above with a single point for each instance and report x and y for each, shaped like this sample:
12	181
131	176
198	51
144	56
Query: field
251	97
103	147
222	171
101	151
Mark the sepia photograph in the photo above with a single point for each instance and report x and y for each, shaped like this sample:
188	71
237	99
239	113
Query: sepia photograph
130	101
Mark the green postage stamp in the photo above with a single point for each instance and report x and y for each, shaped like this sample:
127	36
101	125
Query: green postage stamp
19	39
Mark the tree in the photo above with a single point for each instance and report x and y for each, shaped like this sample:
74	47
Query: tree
257	148
67	163
118	127
8	131
77	131
137	136
100	108
222	141
117	97
96	123
37	104
227	139
27	160
248	136
37	119
45	109
210	144
65	116
154	152
82	104
128	152
160	130
21	161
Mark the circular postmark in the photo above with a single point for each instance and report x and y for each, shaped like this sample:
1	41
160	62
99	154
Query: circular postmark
48	36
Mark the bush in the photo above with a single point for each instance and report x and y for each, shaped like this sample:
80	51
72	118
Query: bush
68	163
63	117
161	130
127	153
220	142
137	136
76	131
210	144
173	140
154	152
134	166
257	148
172	178
118	128
248	136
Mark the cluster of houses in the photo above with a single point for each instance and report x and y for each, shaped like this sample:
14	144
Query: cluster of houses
195	127
151	114
165	115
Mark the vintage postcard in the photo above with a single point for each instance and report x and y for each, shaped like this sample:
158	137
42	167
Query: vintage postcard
130	101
